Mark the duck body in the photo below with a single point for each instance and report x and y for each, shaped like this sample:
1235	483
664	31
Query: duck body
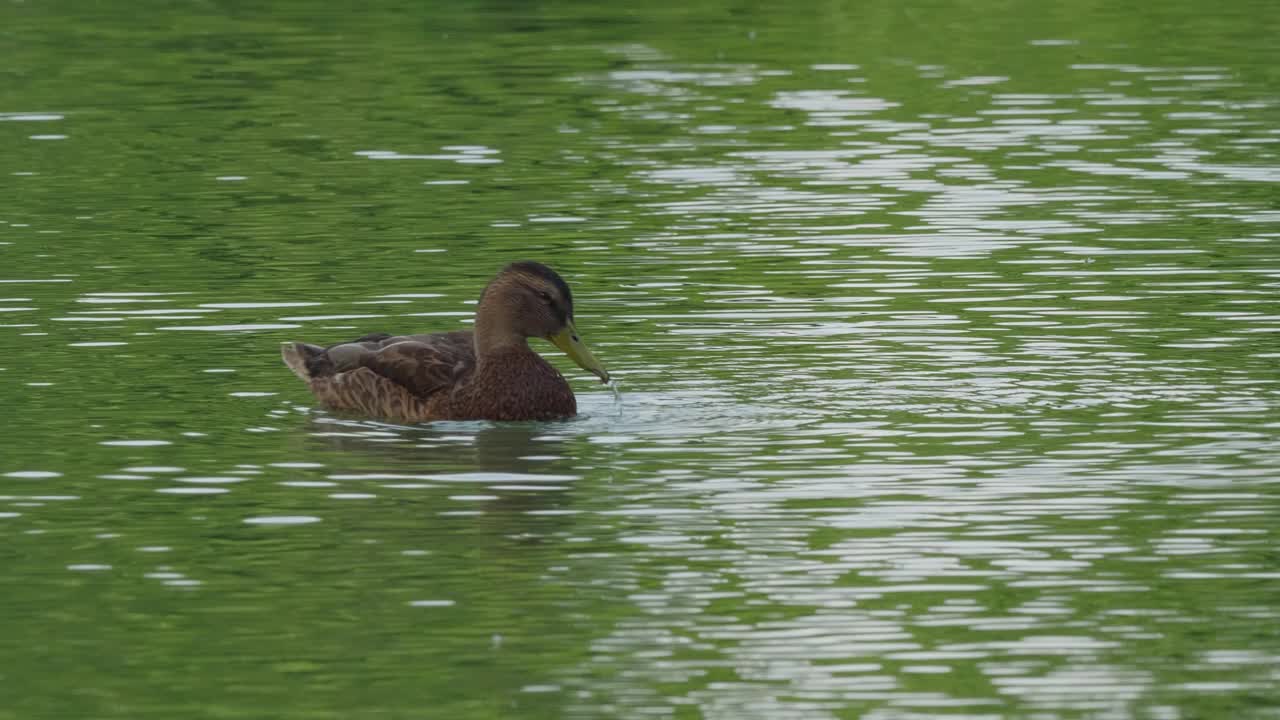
490	373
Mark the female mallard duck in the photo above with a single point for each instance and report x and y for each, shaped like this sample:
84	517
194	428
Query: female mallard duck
486	374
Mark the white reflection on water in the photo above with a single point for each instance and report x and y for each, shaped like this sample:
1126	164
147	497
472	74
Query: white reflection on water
281	520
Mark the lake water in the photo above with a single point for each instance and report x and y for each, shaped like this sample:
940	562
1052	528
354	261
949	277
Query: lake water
947	337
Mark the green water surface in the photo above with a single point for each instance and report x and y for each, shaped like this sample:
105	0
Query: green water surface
946	336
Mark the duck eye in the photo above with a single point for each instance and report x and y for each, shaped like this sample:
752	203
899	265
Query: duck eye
546	296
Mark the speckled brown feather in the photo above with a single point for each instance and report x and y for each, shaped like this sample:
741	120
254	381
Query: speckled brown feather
365	392
515	383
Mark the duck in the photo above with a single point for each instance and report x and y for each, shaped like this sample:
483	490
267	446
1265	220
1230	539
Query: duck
487	373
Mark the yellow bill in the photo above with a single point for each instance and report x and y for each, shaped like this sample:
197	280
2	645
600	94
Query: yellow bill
572	345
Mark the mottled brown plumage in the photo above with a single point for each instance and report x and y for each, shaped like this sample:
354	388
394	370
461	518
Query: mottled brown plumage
489	373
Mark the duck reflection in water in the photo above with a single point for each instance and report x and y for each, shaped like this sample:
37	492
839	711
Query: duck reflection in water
526	465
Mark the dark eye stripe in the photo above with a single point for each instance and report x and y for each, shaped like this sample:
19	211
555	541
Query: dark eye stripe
539	270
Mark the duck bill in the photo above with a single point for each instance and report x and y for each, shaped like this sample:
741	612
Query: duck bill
569	341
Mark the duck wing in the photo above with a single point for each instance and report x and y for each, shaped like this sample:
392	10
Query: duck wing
423	364
378	365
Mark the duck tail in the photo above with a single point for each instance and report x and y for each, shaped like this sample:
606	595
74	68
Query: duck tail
301	358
